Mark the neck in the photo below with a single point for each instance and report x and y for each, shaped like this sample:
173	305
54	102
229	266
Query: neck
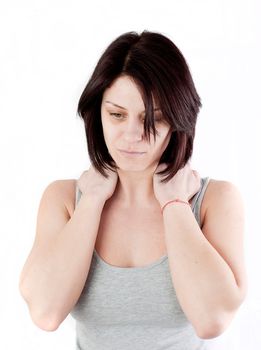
135	189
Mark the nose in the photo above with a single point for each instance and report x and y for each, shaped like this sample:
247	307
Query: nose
133	131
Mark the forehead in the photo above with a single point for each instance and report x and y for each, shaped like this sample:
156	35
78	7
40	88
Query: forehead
123	91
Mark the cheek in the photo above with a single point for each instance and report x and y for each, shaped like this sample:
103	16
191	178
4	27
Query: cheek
164	137
163	142
109	134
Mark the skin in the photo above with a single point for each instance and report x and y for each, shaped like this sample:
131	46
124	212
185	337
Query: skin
138	185
206	263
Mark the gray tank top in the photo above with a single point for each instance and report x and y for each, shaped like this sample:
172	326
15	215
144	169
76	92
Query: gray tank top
134	308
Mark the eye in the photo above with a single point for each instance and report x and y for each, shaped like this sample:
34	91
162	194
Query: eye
116	115
156	119
119	116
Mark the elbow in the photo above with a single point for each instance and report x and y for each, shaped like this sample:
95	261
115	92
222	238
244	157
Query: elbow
211	332
214	329
45	323
43	320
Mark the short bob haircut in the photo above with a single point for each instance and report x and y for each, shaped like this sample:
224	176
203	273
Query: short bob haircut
160	71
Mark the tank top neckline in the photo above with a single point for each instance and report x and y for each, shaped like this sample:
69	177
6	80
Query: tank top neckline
133	268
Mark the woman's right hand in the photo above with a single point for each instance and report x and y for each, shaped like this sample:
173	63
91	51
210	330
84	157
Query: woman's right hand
94	184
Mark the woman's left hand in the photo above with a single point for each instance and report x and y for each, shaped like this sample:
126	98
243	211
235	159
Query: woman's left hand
184	185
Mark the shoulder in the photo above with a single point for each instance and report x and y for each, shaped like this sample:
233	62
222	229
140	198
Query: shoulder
221	193
218	189
65	189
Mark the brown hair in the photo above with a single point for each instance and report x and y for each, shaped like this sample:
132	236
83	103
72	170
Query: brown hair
159	69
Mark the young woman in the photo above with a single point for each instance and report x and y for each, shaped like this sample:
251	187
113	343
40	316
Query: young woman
140	250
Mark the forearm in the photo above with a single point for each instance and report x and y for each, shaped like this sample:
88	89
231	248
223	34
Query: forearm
205	285
56	276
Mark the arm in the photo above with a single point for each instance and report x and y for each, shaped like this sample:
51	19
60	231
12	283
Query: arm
58	265
207	265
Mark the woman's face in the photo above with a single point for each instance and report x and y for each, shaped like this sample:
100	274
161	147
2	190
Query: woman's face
122	116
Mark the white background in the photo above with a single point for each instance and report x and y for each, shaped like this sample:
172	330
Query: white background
48	51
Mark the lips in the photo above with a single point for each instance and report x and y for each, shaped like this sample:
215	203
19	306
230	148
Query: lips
131	152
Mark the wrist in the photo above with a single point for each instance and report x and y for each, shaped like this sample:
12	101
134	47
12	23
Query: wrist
94	200
172	197
176	201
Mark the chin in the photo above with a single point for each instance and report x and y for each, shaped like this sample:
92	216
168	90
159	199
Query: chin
144	166
131	167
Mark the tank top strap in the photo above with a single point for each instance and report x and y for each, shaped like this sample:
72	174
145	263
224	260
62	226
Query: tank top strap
77	195
197	199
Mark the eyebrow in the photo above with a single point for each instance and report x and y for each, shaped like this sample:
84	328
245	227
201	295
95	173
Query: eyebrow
155	109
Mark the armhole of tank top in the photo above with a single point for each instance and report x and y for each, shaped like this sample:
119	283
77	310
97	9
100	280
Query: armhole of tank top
78	194
199	199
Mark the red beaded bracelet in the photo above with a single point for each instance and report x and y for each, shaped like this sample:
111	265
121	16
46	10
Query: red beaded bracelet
174	200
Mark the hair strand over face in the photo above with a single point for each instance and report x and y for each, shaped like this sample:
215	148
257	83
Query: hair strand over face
160	71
